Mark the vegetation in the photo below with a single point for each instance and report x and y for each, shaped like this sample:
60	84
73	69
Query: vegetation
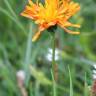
19	55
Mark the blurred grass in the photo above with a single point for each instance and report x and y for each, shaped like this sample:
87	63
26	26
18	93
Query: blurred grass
17	52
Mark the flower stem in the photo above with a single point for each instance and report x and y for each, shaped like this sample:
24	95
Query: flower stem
53	52
53	64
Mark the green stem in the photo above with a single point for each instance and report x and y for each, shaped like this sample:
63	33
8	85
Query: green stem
53	52
53	64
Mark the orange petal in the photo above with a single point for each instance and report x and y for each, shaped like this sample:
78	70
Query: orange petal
36	36
30	2
68	24
26	15
71	32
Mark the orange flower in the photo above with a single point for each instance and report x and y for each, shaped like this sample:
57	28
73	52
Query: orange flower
52	12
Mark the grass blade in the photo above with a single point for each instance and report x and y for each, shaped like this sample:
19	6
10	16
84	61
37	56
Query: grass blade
71	86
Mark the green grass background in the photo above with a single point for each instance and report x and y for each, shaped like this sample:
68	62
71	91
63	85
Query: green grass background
17	52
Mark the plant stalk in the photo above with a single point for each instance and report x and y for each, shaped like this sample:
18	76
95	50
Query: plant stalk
53	64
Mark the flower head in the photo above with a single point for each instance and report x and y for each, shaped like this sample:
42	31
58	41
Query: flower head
51	13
